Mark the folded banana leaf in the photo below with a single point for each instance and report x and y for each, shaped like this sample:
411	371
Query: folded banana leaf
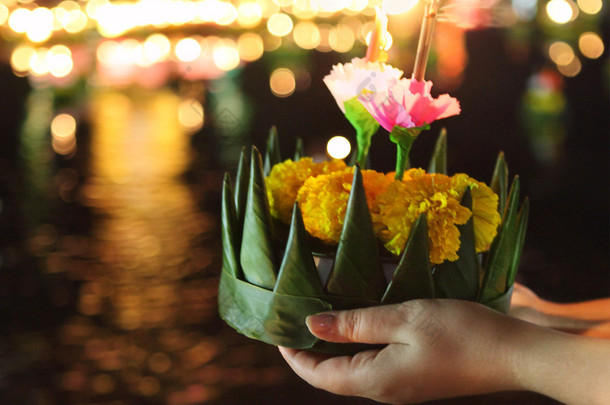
270	285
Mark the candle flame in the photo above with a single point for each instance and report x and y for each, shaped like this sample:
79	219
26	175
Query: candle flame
376	49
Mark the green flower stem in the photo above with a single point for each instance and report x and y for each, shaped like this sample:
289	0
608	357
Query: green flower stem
363	139
365	126
403	138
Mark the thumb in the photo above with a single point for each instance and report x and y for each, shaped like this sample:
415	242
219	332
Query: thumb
374	325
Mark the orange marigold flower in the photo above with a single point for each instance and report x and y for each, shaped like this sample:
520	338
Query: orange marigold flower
438	196
323	200
286	179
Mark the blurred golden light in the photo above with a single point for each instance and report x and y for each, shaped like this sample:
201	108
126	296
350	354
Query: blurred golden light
306	35
358	5
269	8
226	55
561	53
332	6
40	25
227	14
69	5
3	14
338	147
157	48
92	7
250	46
324	45
304	9
388	39
113	20
249	14
591	45
398	6
282	82
63	130
341	38
571	69
38	62
187	49
271	42
19	20
190	114
560	11
60	61
21	56
77	22
279	24
590	6
103	384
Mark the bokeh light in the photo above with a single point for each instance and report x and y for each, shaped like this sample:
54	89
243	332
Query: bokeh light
591	45
4	13
63	131
190	115
280	24
306	35
590	6
338	147
20	58
226	55
560	11
561	53
572	69
250	47
249	14
282	82
19	20
157	48
398	6
341	38
187	49
60	61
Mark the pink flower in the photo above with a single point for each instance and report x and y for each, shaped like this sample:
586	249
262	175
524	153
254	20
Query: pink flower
408	104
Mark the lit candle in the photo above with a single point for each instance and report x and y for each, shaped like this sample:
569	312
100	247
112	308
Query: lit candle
376	50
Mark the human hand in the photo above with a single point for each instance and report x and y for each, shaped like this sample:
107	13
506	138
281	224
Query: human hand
446	348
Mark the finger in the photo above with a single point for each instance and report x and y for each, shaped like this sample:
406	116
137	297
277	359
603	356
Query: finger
376	325
345	375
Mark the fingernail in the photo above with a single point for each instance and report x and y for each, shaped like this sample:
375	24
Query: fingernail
321	324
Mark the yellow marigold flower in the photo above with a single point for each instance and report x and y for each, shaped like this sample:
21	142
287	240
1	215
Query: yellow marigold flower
438	196
286	179
486	217
323	200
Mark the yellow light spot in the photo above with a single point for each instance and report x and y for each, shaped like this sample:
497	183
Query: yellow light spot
21	56
338	147
332	6
572	69
93	6
69	5
324	45
249	14
561	53
282	82
38	62
60	61
190	114
591	45
19	20
271	42
269	8
40	25
279	24
305	9
227	14
3	14
250	47
63	130
590	6
398	6
226	55
388	39
342	38
560	11
187	49
157	48
306	35
77	22
358	5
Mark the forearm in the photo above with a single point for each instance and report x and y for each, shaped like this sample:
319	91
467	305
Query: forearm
571	369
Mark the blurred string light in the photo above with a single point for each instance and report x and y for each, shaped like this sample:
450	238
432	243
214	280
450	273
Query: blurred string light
63	131
561	11
282	82
338	147
591	45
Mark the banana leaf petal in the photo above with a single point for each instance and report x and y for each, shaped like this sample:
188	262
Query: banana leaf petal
241	186
413	276
357	271
499	182
298	273
502	303
299	150
502	250
438	163
272	154
230	256
260	314
519	242
460	279
257	251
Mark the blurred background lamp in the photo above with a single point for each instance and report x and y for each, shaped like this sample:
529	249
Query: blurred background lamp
338	147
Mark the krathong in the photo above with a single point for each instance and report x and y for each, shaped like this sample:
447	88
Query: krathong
301	237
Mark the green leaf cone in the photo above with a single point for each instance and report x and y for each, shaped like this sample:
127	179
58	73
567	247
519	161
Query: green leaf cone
230	256
460	279
241	186
298	274
365	125
357	270
257	252
272	154
438	163
499	182
299	150
502	251
413	276
260	314
519	242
